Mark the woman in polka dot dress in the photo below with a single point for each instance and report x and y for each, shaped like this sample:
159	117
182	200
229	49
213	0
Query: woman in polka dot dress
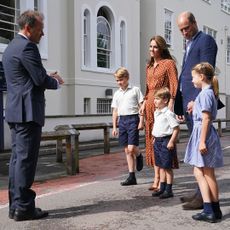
161	72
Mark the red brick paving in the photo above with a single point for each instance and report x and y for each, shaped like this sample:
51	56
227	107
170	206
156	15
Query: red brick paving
91	169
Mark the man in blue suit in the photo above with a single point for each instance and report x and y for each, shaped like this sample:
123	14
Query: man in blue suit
25	112
200	47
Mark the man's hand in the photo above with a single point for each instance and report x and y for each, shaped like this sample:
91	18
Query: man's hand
190	107
57	77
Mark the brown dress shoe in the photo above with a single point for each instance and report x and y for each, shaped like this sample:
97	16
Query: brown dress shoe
153	188
185	199
196	203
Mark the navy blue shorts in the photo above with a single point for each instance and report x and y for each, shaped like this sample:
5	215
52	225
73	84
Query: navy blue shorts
163	156
128	130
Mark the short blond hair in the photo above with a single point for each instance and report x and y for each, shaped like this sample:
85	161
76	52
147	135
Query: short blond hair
163	93
121	73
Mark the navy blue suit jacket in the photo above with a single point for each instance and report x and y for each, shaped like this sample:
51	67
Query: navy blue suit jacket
203	49
26	81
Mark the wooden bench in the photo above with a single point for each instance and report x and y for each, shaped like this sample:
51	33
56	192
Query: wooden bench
91	126
219	126
71	133
71	137
219	122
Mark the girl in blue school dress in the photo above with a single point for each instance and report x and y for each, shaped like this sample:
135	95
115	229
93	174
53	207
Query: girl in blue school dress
204	149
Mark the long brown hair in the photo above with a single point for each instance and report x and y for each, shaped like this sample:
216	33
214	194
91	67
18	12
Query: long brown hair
163	48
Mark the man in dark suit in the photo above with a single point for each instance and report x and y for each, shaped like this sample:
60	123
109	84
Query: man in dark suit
200	47
25	112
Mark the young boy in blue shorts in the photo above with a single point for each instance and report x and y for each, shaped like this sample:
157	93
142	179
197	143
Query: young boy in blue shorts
165	132
126	103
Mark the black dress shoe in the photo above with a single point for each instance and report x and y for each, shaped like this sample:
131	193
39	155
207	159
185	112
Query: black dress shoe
205	217
139	162
157	193
166	195
28	215
129	181
11	213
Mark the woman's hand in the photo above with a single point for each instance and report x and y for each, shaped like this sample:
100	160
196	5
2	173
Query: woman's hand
142	109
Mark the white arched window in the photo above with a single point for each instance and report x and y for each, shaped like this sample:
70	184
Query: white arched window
103	40
86	38
123	43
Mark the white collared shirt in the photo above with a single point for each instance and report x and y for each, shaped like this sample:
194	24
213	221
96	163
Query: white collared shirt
127	101
23	35
164	122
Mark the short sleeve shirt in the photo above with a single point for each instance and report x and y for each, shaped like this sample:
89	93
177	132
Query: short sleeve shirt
127	101
165	122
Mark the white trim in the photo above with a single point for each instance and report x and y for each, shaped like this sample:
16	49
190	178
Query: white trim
43	45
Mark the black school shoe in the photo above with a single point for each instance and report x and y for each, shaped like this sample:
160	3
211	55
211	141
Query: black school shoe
166	195
28	215
129	181
205	217
139	162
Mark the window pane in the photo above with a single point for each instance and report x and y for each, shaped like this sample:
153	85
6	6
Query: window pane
103	42
86	39
104	106
9	11
86	105
36	5
168	27
225	5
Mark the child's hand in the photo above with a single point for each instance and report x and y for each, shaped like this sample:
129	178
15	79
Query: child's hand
180	118
203	148
114	132
170	145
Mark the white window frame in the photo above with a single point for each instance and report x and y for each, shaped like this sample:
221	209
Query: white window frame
28	4
104	106
168	27
210	31
225	6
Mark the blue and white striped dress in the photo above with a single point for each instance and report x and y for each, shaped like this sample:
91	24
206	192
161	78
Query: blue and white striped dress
205	101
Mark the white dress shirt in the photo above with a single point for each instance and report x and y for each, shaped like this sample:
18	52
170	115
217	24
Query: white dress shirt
164	122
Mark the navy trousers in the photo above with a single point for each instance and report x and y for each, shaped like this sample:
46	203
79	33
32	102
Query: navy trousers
26	139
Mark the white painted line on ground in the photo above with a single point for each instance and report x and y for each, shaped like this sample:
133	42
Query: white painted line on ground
228	147
67	189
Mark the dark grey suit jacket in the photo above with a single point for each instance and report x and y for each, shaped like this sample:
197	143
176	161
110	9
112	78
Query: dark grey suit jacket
26	81
203	49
